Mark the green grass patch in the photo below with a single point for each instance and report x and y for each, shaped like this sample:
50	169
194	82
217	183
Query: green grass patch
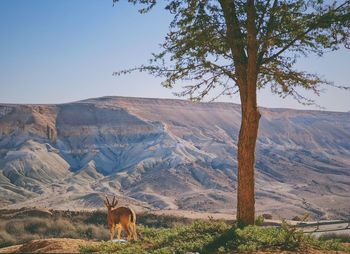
215	237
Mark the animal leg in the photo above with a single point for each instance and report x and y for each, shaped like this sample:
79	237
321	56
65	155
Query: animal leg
133	228
119	229
112	232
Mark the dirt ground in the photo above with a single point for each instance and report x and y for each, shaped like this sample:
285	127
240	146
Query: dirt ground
53	245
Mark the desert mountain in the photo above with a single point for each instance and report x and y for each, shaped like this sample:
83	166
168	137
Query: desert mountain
171	154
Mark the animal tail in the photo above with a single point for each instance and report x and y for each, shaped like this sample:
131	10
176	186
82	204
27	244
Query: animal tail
133	216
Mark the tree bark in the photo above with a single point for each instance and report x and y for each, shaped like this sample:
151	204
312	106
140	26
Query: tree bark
246	159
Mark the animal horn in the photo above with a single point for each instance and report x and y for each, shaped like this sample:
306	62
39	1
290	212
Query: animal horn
107	201
113	203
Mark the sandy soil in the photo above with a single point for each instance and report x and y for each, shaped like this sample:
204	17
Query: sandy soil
54	245
194	215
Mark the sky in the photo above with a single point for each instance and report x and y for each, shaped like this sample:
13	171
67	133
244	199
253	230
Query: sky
57	51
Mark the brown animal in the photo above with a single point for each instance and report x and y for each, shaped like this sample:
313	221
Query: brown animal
120	217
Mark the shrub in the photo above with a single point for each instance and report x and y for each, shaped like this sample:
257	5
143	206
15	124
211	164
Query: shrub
96	217
36	226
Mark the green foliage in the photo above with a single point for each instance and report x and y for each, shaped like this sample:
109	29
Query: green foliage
179	239
253	238
215	237
259	221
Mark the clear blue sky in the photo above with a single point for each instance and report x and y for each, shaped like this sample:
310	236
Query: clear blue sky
55	51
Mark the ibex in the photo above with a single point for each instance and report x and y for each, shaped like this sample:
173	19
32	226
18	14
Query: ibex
120	217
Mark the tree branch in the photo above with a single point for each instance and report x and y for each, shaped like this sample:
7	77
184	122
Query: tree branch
235	38
265	43
313	26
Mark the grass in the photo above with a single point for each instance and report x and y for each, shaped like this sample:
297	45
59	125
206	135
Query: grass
215	237
160	234
23	230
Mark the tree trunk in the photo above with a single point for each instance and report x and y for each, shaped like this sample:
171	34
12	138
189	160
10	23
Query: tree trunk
246	71
249	127
246	157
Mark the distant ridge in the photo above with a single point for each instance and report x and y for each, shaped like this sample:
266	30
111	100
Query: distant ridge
185	101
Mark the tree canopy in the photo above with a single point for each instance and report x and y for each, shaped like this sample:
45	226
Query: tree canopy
208	44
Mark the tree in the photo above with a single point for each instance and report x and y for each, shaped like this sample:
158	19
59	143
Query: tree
242	46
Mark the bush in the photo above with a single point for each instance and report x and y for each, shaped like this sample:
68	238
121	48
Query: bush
96	217
36	226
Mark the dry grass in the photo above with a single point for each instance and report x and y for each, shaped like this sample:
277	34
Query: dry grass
23	225
18	230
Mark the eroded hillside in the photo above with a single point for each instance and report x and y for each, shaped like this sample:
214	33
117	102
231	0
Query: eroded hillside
171	154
